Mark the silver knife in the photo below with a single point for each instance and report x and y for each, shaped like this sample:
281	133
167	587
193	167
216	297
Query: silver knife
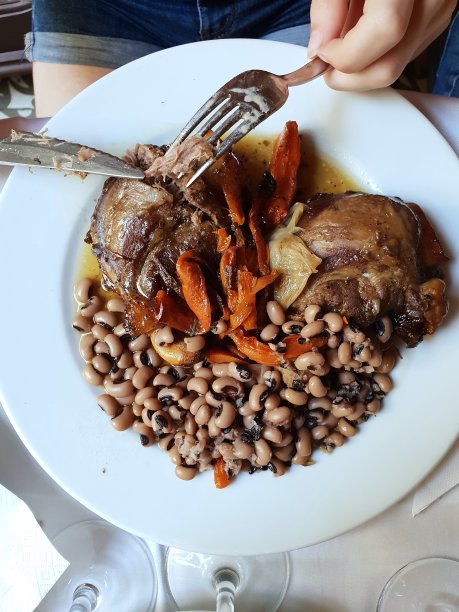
29	149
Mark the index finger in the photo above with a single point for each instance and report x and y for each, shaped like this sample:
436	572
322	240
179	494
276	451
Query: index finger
380	28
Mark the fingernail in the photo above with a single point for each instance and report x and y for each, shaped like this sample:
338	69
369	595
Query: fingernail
315	40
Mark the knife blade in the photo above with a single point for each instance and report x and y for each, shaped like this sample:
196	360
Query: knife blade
29	149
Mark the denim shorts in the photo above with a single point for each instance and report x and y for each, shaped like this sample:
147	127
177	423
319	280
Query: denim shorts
110	33
447	78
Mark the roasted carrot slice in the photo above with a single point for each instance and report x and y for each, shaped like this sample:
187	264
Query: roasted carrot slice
223	240
231	186
284	166
173	312
254	349
221	479
296	345
194	287
221	355
262	196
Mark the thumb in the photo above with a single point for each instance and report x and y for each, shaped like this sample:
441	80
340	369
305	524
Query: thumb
327	21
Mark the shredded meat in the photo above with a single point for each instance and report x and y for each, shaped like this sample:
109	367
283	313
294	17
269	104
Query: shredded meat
182	158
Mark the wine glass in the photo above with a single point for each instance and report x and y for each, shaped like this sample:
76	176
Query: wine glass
215	582
426	585
109	569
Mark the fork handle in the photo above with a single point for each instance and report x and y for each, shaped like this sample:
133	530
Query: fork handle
313	69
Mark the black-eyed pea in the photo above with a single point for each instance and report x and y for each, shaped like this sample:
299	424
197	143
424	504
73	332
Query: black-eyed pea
220	369
109	404
304	442
272	434
120	330
154	359
140	343
333	341
163	336
334	321
91	375
258	396
373	406
279	416
163	380
219	327
226	450
263	451
213	429
166	442
319	432
191	426
186	400
330	421
152	403
297	398
298	459
83	290
161	422
346	428
115	305
277	467
345	353
375	359
384	329
185	472
144	394
239	372
195	344
272	401
342	409
205	373
309	360
101	364
388	360
292	327
313	329
114	344
356	336
125	360
225	415
198	384
126	400
177	413
284	453
358	409
137	409
203	415
246	410
142	376
196	404
129	373
242	450
124	420
87	342
175	456
106	319
311	313
93	305
170	395
269	332
316	387
324	403
287	439
334	440
81	324
101	348
332	358
272	379
383	381
275	312
228	386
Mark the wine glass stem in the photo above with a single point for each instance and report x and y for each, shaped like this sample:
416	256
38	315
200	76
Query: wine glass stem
226	582
85	598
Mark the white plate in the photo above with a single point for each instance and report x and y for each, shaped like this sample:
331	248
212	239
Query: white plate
381	140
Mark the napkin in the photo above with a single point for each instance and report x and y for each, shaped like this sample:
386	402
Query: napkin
443	478
29	565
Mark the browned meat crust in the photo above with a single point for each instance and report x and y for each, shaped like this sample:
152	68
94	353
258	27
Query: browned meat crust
371	249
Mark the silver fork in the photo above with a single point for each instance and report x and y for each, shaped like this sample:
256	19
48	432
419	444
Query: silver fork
243	103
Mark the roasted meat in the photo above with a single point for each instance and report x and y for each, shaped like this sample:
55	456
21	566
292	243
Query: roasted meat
379	257
139	230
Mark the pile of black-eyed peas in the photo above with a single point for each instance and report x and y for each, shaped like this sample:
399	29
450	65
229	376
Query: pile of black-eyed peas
255	417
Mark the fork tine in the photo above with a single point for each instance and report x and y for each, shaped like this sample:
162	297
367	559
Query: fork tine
216	116
206	108
229	122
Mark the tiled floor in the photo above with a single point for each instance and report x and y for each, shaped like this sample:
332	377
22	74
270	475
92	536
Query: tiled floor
16	97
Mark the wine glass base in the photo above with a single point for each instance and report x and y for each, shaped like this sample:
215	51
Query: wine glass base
426	585
117	563
263	580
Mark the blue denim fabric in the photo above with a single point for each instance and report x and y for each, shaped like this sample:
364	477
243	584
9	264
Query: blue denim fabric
447	78
109	33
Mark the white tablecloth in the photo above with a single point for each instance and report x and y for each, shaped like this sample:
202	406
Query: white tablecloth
345	574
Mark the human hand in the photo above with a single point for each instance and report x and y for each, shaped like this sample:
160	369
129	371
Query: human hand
369	42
